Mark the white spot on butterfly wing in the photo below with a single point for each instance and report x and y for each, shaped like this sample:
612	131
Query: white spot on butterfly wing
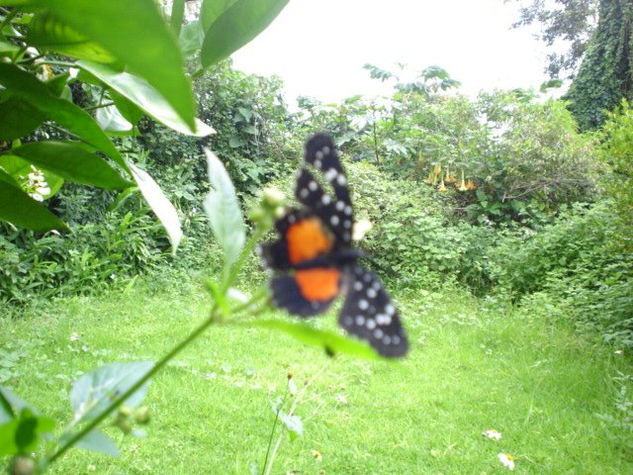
360	320
358	286
371	324
312	185
363	304
330	174
334	220
378	333
326	149
318	155
303	193
325	199
371	293
348	210
340	205
341	180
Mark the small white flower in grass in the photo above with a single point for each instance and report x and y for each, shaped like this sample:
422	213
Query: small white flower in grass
74	336
361	228
292	387
491	434
507	460
342	399
317	455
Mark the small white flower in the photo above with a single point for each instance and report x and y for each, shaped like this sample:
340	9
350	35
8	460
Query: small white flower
507	460
491	434
342	399
74	336
361	228
292	387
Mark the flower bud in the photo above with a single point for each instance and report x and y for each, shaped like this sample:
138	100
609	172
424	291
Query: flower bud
141	415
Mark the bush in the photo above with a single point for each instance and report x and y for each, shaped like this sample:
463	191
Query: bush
579	260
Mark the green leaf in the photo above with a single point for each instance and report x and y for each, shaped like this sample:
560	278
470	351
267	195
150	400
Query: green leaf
6	411
19	168
94	392
293	423
212	9
135	34
21	434
141	93
7	48
72	162
7	178
177	15
97	441
18	208
223	210
332	342
191	38
126	107
159	203
18	118
242	21
68	115
47	32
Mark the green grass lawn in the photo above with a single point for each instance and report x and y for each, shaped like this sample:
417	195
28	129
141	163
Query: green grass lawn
474	365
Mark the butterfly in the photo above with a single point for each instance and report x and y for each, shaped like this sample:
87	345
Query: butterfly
314	260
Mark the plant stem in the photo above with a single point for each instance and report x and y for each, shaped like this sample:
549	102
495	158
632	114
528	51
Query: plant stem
272	432
117	402
294	405
246	250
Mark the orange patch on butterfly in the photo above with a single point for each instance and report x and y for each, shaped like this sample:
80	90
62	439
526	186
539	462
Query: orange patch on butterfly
306	240
319	284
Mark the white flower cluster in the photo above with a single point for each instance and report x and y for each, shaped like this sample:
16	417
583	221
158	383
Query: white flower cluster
37	185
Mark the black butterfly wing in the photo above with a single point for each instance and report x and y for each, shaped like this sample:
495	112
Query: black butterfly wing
369	314
336	212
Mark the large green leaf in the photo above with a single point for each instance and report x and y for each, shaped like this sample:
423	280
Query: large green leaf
72	162
47	32
331	342
242	21
141	93
159	203
18	118
223	209
68	115
135	33
94	392
18	208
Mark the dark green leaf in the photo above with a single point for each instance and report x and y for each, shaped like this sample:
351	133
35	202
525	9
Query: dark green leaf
18	208
21	434
95	391
97	441
72	162
223	210
141	93
68	115
330	341
159	203
136	35
47	32
18	118
242	21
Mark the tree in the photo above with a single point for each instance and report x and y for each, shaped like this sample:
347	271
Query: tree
605	76
571	21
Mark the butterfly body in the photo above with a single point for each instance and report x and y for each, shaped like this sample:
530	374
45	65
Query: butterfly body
315	261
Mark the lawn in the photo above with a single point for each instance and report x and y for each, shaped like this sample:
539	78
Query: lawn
475	364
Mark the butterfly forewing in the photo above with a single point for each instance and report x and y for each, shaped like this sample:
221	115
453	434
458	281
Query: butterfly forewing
369	314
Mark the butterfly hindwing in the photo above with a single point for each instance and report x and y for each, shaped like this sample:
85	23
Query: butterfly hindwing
369	314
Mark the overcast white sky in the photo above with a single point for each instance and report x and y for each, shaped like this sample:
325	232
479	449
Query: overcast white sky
318	47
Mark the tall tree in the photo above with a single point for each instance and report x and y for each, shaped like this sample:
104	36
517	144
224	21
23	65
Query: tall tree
606	72
600	39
